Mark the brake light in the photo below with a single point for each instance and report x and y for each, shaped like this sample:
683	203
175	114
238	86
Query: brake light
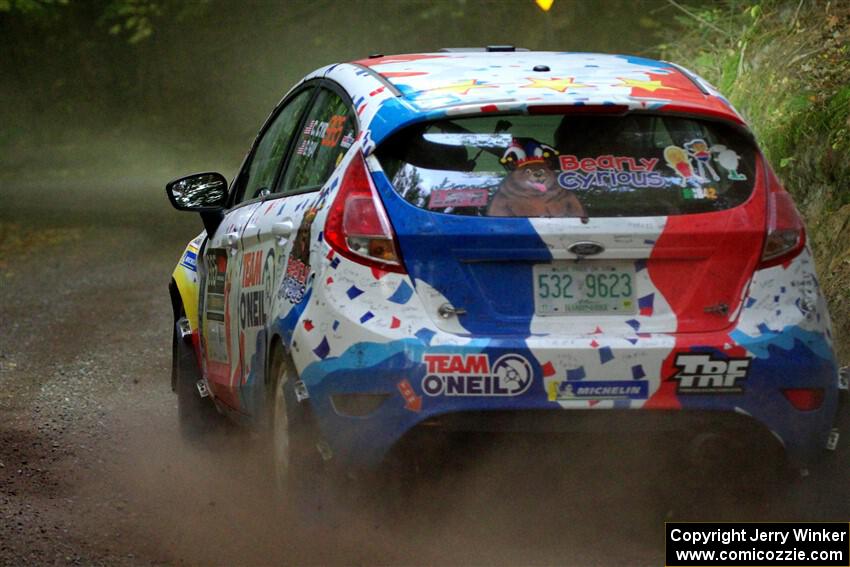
357	225
804	399
786	235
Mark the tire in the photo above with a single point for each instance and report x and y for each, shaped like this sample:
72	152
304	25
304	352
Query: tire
300	476
196	416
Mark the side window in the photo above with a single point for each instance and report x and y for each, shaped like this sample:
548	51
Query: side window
328	133
270	150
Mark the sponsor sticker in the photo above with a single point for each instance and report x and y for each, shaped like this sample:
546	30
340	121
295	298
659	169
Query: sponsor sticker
253	303
704	374
598	390
441	198
608	171
333	132
190	260
476	375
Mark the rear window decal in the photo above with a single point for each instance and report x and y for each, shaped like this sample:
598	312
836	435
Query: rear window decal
698	150
633	165
443	198
693	161
728	160
709	193
531	188
607	162
609	171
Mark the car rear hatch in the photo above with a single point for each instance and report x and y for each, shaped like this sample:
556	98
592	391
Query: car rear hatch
564	223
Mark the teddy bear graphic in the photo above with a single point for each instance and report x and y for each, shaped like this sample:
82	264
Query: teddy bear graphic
531	188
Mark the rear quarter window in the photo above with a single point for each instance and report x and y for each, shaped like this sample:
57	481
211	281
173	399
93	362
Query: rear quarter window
571	165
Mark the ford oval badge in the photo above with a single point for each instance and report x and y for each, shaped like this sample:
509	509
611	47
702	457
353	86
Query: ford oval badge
582	249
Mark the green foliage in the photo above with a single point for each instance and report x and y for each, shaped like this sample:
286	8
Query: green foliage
784	64
131	17
29	6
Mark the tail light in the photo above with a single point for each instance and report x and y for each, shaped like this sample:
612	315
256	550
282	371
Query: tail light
357	225
804	399
786	235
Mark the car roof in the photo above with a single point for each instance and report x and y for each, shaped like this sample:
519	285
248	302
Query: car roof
391	91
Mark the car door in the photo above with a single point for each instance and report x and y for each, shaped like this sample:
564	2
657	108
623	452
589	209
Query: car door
278	241
233	293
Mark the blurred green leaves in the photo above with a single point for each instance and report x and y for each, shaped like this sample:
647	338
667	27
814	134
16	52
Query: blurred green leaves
29	6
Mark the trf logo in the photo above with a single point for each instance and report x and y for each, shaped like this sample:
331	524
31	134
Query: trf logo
703	374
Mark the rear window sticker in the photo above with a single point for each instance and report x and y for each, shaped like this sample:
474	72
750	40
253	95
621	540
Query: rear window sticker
496	140
442	198
609	171
607	162
709	193
678	160
531	188
728	160
701	153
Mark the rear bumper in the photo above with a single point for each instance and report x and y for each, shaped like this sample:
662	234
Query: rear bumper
417	394
377	339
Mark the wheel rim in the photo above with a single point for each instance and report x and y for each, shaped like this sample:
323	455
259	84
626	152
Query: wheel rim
280	434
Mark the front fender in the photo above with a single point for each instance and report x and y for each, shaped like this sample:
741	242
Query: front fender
184	287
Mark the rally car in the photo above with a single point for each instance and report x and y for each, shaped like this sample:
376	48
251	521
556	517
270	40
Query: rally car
466	238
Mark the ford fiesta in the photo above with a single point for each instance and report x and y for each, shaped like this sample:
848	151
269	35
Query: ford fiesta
445	240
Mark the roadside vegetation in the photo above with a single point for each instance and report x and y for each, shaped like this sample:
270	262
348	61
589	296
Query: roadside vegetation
785	64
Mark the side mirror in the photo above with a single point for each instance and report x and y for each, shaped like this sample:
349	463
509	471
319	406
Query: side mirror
200	192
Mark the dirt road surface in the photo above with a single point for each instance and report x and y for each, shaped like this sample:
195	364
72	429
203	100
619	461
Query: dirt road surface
93	471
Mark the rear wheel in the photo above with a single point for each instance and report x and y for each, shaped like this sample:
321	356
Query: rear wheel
196	416
299	473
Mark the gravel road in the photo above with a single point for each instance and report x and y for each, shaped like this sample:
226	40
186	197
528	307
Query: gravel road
93	472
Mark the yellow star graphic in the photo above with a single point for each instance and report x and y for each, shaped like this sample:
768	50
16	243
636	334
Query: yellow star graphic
651	86
462	88
556	84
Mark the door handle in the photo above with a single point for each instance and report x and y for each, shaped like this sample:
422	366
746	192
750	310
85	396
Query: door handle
283	229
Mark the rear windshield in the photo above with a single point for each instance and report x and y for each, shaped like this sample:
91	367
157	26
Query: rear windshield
570	165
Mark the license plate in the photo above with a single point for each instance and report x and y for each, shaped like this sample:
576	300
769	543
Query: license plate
575	288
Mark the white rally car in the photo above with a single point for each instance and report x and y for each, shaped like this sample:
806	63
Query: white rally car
453	238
